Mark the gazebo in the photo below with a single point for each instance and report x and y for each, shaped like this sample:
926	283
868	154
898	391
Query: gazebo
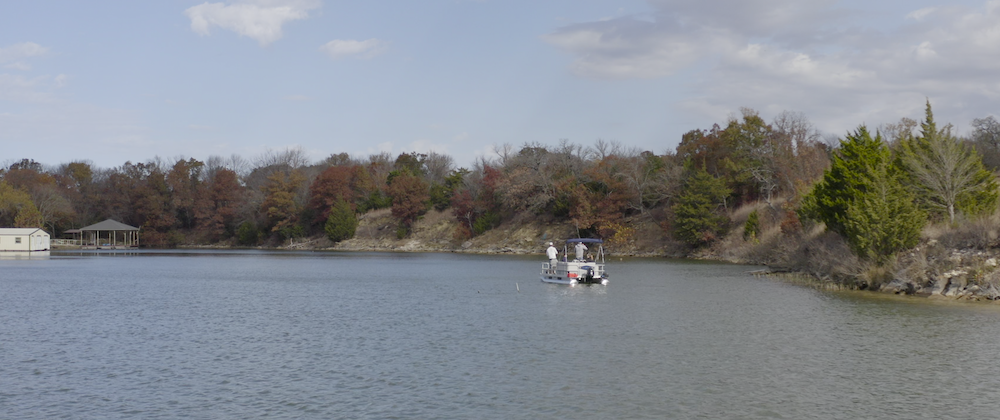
109	234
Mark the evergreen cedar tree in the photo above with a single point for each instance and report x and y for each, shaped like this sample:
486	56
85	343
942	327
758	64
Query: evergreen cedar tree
751	229
697	220
863	198
341	222
689	191
880	203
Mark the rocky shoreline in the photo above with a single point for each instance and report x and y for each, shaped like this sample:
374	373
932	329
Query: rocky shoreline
964	275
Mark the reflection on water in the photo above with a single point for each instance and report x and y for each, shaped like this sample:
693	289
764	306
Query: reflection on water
24	255
247	334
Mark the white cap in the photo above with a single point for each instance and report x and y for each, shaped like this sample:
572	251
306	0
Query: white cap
550	243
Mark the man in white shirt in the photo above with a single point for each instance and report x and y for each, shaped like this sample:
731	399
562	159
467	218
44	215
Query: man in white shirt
552	253
581	249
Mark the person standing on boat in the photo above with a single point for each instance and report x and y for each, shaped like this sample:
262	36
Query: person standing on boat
552	253
581	249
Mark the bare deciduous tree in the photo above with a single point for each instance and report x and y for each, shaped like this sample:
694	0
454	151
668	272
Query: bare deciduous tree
294	157
986	137
438	167
987	131
945	169
894	133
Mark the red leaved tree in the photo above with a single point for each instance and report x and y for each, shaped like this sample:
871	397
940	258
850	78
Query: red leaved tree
410	197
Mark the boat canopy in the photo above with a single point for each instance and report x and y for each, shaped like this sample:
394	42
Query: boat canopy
585	240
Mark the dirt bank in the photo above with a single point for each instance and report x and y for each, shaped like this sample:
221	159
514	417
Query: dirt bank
523	234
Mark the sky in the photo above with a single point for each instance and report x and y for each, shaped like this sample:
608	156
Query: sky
115	81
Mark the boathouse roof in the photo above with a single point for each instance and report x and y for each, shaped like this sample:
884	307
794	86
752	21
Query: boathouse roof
108	225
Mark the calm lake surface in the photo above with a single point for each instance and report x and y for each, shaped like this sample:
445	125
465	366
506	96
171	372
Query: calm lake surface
246	334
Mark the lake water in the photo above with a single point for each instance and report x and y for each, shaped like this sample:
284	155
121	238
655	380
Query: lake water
246	334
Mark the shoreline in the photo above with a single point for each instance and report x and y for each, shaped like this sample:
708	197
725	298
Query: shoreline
811	258
963	294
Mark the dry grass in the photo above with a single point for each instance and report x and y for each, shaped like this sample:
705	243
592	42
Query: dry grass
922	264
824	255
978	233
376	225
873	276
770	246
768	214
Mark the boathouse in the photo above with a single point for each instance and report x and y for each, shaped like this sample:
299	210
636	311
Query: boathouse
24	240
109	234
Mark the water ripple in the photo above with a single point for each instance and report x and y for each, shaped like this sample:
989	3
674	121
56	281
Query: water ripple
358	336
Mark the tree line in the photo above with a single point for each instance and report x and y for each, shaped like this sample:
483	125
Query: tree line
875	191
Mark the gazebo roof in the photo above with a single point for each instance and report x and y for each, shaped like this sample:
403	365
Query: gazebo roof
109	225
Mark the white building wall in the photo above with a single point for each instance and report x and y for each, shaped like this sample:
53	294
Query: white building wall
40	241
24	240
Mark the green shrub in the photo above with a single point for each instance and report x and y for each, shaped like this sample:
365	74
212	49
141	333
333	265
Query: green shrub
342	222
486	221
376	200
440	196
292	231
696	219
752	228
247	234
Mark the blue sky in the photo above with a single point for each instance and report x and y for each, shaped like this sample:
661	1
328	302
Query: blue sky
116	81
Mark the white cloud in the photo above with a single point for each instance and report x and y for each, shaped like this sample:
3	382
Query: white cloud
681	33
17	88
426	146
920	14
749	17
17	52
381	147
340	48
629	48
260	20
23	89
18	65
775	55
67	129
485	152
13	56
73	131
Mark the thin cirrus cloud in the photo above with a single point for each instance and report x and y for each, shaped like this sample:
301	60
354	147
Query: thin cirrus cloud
343	48
785	54
678	34
260	20
628	48
12	56
21	88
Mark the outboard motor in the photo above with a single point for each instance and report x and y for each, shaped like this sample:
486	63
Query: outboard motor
590	273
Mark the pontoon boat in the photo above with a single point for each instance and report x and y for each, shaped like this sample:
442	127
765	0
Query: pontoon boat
586	270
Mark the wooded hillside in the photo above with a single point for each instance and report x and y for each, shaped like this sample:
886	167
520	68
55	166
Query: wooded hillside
691	193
